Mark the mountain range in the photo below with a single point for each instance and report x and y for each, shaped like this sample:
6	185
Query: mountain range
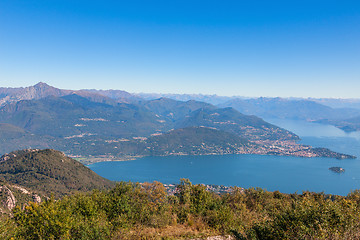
290	109
116	123
342	113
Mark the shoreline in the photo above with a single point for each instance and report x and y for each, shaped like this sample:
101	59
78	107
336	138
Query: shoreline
92	160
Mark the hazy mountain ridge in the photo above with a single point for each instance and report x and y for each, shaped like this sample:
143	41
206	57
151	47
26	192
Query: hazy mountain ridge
97	125
217	100
43	90
289	109
347	119
347	125
212	99
308	108
118	95
338	102
326	110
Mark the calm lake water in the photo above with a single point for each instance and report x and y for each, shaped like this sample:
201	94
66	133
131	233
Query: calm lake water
286	174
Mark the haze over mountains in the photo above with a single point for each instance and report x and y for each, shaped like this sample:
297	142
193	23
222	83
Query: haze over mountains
289	109
342	113
217	100
116	123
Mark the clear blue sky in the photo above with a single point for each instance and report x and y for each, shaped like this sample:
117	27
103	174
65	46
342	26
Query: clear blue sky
249	48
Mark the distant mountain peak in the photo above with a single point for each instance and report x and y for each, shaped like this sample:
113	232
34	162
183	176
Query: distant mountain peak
165	99
44	87
42	90
41	85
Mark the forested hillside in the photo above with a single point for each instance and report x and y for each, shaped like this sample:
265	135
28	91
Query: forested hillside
49	172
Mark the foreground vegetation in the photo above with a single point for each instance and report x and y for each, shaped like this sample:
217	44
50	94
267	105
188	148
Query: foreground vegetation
146	211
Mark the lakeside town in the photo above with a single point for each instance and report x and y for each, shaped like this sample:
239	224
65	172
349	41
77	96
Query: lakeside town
172	189
259	147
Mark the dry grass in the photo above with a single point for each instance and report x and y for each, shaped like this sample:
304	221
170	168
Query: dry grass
178	231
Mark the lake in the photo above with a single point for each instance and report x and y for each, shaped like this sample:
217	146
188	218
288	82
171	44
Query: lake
283	173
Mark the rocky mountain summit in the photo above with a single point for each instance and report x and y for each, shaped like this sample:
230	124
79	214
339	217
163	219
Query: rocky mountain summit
38	91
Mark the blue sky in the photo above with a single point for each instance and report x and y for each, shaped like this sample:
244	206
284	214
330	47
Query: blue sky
246	48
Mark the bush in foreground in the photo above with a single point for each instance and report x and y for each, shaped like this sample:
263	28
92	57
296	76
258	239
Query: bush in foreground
146	211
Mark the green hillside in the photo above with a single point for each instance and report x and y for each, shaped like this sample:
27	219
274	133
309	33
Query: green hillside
232	121
73	115
13	138
79	126
49	171
195	141
173	110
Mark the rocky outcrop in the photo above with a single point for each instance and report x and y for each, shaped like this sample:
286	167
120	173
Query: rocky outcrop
8	201
14	195
36	198
23	190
